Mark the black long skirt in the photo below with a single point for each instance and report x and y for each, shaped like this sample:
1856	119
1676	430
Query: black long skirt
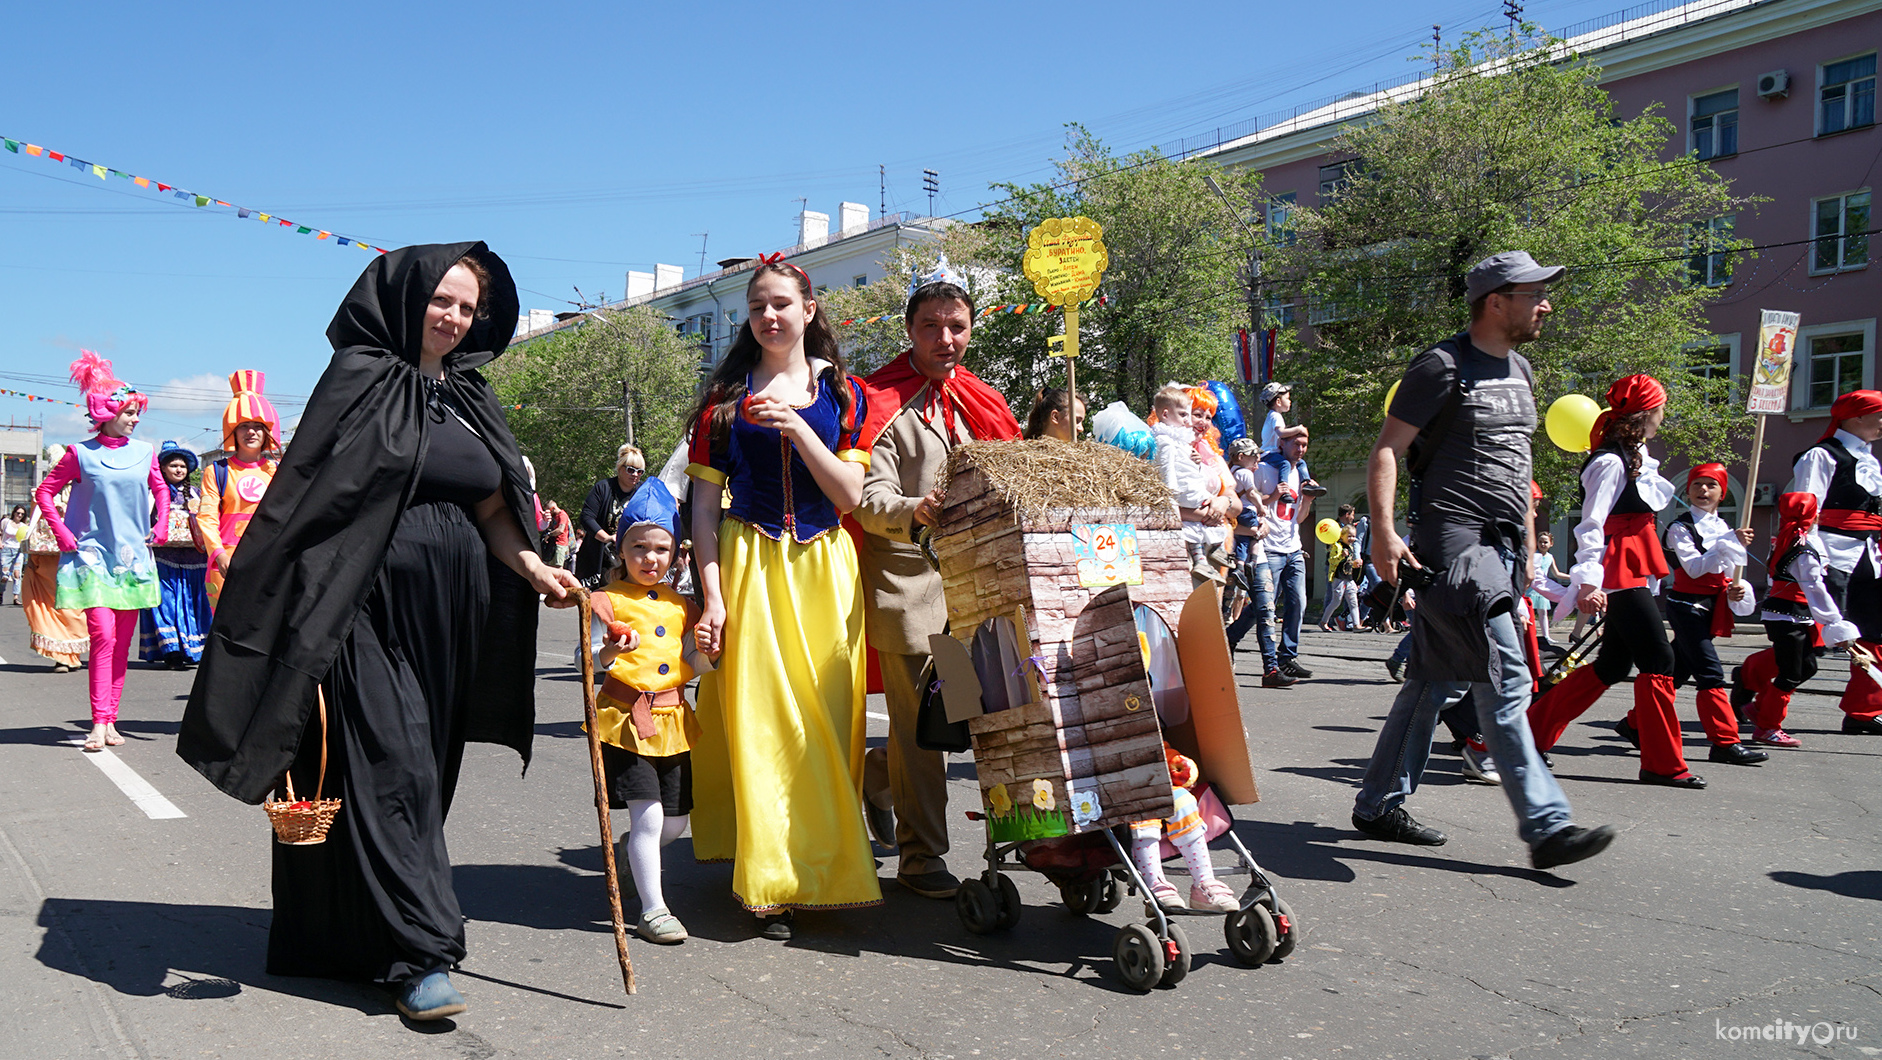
375	900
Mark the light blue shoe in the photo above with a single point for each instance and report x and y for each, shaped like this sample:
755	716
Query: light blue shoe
430	997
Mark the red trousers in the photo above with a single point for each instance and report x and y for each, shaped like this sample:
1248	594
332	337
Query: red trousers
1660	750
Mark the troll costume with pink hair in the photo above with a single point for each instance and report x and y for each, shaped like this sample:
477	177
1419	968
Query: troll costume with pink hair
104	536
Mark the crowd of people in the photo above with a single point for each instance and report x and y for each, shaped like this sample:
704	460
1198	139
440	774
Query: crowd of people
362	606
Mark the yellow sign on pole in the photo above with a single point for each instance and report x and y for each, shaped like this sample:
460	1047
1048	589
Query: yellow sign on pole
1065	259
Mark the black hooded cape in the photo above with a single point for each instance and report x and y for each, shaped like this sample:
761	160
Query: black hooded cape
310	555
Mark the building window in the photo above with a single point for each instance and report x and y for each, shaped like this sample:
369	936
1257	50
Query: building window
1281	220
1334	178
1278	313
1711	263
1710	361
1846	95
861	281
1835	366
1715	124
1841	233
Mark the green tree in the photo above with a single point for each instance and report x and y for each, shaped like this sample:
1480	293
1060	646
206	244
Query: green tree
1172	296
1515	147
568	385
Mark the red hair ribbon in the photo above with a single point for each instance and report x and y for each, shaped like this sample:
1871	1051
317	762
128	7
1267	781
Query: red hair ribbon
778	259
1629	394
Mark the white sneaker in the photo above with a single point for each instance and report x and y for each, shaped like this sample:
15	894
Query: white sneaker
1479	766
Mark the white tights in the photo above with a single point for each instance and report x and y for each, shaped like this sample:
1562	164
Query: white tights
649	829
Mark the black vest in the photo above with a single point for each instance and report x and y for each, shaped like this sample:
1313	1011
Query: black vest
1845	493
1629	502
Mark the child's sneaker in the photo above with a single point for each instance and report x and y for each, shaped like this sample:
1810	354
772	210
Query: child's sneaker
1213	896
659	925
1776	738
1164	893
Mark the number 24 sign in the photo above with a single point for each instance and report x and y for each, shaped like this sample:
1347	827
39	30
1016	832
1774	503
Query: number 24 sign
1107	554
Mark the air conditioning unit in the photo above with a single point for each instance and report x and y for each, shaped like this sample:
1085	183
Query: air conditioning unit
1774	85
1761	497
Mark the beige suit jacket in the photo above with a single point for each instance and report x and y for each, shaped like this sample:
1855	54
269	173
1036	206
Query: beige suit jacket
902	597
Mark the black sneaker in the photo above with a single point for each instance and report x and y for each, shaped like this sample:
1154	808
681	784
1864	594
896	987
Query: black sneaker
1277	679
937	884
1570	845
1395	670
776	926
1310	488
1397	826
1628	732
1862	726
1294	669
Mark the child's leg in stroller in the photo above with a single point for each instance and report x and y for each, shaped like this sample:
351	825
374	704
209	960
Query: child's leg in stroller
1146	836
1189	836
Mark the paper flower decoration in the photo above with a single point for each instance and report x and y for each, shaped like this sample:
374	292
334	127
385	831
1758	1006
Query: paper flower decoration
1042	795
999	800
1085	808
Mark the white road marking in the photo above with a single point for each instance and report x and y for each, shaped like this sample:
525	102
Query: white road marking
142	795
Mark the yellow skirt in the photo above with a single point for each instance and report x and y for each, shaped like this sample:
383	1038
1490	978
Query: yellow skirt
778	769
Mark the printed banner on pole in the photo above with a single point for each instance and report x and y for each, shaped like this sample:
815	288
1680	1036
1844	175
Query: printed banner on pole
1244	357
1771	373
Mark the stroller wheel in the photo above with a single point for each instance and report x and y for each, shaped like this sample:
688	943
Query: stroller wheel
1177	966
1081	899
1286	927
1008	895
1138	957
977	906
1251	935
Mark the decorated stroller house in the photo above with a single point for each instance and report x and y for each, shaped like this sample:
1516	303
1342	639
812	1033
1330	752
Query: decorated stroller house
1078	650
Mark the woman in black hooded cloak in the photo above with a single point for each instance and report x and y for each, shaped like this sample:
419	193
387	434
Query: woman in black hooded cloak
392	564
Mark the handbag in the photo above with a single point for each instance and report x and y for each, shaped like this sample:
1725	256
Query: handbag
303	822
933	730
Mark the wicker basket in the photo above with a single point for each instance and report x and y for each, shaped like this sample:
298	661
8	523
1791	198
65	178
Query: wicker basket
299	822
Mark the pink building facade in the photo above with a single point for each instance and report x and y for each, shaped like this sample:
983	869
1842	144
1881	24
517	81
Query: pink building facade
1779	95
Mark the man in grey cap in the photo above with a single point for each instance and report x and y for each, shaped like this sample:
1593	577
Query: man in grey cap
1465	411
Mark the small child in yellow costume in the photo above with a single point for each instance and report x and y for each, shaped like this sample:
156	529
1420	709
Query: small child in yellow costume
643	640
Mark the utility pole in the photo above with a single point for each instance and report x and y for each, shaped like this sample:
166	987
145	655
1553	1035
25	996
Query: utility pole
1513	10
1437	49
703	236
931	182
1251	273
882	183
627	412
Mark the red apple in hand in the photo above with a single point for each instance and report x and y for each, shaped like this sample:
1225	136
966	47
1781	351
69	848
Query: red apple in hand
618	631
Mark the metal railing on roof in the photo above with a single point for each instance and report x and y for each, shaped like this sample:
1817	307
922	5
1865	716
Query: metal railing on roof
1632	23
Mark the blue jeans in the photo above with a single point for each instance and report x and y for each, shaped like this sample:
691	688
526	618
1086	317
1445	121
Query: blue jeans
1402	652
1288	571
1398	761
1259	611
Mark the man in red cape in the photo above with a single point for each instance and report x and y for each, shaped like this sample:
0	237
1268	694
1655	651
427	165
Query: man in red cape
922	405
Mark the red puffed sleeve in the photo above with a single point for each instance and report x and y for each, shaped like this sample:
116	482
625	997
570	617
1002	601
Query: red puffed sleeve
701	464
849	438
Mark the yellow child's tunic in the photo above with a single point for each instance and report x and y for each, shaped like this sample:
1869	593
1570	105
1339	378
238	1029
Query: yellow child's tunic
660	662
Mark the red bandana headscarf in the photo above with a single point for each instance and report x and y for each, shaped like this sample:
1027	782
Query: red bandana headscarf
1715	472
1629	394
961	396
1851	405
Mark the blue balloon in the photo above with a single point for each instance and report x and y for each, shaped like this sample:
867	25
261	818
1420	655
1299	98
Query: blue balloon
1117	425
1228	412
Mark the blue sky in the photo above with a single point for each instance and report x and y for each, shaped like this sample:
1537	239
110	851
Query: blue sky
579	140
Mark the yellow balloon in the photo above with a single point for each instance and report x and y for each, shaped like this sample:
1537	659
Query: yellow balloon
1327	530
1390	394
1570	422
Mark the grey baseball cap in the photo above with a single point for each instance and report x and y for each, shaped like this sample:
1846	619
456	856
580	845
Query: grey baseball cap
1272	391
1511	266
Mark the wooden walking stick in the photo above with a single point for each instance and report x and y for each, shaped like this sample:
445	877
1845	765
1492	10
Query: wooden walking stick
585	611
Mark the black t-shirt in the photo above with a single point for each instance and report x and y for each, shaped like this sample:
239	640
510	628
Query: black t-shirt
458	466
1478	479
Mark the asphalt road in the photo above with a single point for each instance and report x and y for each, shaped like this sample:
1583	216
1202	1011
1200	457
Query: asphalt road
1755	902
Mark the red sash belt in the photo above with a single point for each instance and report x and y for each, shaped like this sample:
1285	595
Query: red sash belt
1633	551
1850	519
